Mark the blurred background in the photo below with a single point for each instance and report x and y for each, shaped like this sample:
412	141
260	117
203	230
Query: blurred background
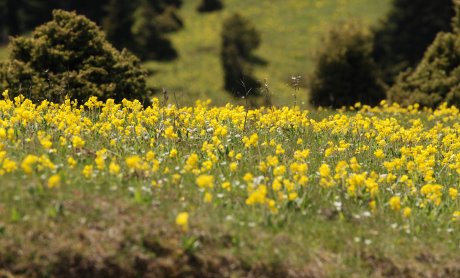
181	42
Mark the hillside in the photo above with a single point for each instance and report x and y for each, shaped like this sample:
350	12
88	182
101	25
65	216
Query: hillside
291	31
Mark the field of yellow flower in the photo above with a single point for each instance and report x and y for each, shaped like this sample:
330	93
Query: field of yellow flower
100	186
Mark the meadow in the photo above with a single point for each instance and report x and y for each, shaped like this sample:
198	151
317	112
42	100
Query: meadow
105	188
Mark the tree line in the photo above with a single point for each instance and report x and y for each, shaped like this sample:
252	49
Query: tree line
70	56
138	25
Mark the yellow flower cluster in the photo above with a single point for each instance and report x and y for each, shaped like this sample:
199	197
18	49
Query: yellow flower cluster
384	157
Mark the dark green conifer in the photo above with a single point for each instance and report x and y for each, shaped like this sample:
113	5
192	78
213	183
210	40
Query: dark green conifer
69	56
345	72
436	79
410	27
239	39
149	41
118	23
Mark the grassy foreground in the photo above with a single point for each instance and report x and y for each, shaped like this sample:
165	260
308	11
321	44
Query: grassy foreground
106	189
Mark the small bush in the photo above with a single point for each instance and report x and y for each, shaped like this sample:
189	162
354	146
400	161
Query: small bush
437	78
345	71
239	40
210	6
69	56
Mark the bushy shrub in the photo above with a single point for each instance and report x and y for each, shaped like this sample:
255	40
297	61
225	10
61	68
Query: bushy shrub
403	36
437	78
210	6
345	72
69	56
239	40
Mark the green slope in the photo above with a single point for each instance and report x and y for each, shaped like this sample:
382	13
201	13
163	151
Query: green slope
291	30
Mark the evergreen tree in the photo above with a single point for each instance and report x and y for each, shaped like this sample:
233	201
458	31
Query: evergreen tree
69	56
410	27
345	72
139	27
149	43
118	22
239	40
437	78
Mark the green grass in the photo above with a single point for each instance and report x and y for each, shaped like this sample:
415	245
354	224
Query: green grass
291	32
123	223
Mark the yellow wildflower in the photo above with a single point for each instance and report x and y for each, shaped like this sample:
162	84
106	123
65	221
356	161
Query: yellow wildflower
205	181
453	193
324	170
54	181
379	154
407	212
233	166
207	197
182	221
72	162
169	133
227	186
87	171
77	142
173	153
395	203
114	168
